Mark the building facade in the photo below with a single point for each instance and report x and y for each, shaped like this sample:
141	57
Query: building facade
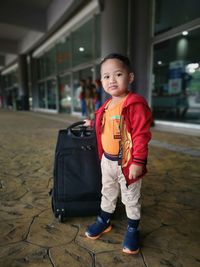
162	39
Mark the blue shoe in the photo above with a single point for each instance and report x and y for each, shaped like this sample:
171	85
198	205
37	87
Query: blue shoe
98	228
131	241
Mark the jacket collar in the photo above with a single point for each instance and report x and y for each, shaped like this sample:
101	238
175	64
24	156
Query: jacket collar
131	98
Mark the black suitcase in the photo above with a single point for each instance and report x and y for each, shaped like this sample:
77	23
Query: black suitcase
77	174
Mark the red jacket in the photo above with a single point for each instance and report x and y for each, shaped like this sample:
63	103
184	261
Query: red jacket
136	119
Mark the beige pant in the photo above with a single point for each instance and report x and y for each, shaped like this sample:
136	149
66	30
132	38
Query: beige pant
112	181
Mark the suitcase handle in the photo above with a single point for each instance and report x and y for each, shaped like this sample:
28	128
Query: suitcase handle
82	132
75	124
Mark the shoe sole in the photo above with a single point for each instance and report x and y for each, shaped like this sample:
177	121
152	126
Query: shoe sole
132	252
97	236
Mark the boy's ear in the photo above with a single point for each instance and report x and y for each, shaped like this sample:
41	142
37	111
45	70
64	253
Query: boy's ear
131	77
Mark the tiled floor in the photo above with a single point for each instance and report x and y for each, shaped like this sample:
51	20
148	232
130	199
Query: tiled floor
31	236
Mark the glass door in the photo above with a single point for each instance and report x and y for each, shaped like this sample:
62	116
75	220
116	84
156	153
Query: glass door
51	94
78	76
41	95
65	91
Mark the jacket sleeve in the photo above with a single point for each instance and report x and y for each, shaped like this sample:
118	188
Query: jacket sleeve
141	120
92	123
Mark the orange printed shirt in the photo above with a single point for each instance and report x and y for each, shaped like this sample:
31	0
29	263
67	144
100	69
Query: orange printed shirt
111	128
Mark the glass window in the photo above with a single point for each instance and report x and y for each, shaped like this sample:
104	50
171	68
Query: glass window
77	76
14	77
41	95
10	85
76	92
10	79
41	67
172	13
65	94
63	55
51	94
176	72
50	62
98	36
6	81
82	44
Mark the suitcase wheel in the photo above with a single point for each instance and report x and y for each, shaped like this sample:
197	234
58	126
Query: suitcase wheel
60	218
53	208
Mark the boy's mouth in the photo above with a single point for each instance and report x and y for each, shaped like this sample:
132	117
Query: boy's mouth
113	87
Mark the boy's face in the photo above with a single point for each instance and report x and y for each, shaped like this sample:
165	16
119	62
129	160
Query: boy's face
115	77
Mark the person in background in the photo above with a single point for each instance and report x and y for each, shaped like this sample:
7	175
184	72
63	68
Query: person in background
82	97
89	95
97	94
122	126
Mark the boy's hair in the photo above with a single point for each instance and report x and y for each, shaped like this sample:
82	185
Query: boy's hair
125	60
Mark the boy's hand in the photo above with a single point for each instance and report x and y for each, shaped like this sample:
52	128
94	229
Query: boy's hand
135	171
87	123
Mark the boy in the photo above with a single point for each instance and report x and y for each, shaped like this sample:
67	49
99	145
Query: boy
123	131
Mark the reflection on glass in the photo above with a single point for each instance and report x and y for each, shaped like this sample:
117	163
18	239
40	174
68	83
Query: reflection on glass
10	79
169	14
65	94
51	94
50	62
77	76
41	95
63	54
176	75
76	92
82	44
41	67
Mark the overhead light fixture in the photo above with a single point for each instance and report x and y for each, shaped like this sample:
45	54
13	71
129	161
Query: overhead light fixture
192	67
184	33
86	12
10	69
62	40
81	49
159	62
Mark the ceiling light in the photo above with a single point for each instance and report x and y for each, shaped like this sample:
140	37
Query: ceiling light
81	49
159	62
192	67
184	33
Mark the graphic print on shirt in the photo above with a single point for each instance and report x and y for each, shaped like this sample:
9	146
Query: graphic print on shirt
115	126
111	134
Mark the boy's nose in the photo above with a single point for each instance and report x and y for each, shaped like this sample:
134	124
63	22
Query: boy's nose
112	79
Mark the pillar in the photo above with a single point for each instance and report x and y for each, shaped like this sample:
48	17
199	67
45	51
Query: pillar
33	81
114	21
139	44
23	98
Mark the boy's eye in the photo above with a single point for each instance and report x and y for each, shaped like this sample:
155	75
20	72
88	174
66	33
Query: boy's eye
119	74
106	77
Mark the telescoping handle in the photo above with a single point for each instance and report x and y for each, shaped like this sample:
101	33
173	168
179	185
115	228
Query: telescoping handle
81	131
75	124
